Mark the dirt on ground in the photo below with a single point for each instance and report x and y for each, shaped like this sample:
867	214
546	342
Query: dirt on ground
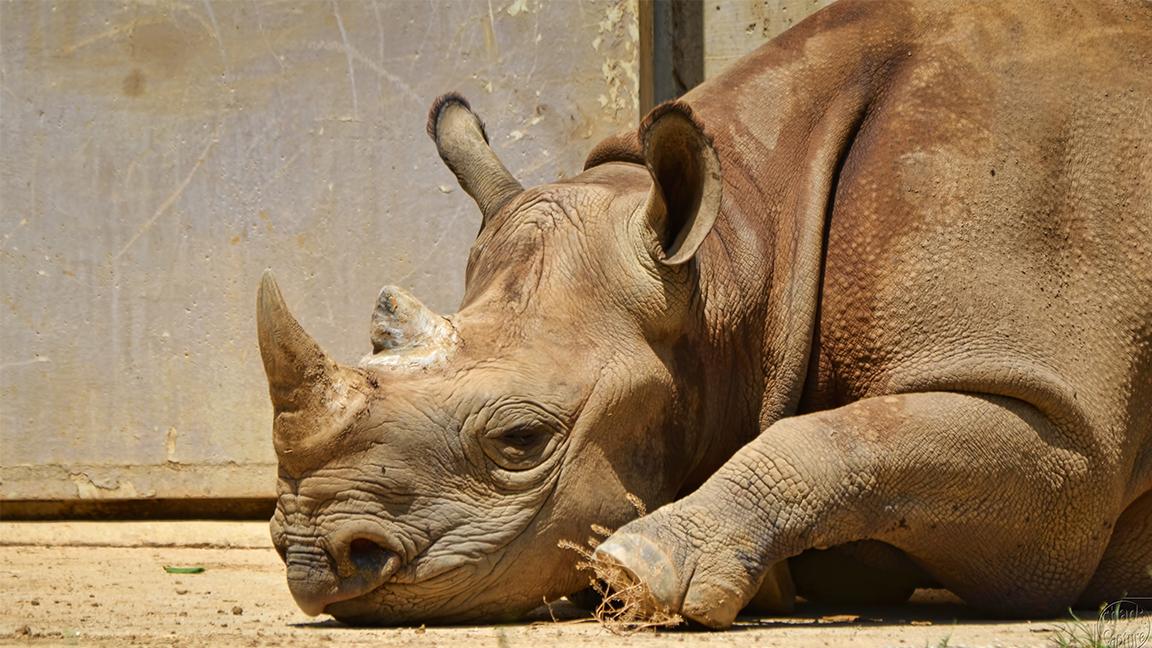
105	584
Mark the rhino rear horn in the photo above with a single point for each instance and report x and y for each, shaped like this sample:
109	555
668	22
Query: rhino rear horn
293	361
463	145
401	322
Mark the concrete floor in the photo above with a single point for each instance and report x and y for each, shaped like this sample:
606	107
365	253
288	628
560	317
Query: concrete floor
104	584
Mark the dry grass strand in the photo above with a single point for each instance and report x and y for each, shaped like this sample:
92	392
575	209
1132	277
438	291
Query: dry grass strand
601	531
626	605
641	510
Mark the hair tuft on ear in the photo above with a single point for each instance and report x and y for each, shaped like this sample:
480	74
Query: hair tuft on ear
442	102
671	106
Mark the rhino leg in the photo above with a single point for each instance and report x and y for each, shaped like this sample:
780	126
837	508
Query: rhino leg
994	501
1126	569
777	592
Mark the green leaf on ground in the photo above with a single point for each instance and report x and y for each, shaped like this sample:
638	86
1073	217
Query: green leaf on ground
183	570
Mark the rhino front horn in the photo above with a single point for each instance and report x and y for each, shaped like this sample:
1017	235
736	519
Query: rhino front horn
293	361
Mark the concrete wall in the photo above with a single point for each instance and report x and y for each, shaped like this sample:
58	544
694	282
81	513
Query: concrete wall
156	157
732	28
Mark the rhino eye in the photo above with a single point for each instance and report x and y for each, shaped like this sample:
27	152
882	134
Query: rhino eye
518	447
520	438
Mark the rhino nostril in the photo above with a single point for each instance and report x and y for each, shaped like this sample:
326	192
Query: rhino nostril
367	555
364	546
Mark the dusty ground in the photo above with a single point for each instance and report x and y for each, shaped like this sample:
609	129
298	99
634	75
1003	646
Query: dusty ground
104	584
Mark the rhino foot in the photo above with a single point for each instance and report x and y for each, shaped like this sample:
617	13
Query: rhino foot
687	566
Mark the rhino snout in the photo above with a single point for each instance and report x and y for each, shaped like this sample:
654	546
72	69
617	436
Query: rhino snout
340	570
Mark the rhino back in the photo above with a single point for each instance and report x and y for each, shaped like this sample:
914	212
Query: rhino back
988	225
992	228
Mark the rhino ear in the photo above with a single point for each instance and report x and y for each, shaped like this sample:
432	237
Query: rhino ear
462	143
686	184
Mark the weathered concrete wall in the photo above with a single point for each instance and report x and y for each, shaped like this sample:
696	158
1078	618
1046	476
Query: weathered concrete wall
156	157
732	28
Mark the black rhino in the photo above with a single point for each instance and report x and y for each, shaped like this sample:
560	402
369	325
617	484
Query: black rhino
874	305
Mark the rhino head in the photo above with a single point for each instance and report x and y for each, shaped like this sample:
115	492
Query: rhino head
433	481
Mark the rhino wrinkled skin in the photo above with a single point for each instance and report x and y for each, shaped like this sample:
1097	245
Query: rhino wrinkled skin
871	310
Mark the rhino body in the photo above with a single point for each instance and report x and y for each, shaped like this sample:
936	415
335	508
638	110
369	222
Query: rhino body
871	310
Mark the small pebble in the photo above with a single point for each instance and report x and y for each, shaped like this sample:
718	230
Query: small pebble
237	610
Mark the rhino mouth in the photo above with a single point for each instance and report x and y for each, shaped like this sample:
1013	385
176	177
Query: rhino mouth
426	589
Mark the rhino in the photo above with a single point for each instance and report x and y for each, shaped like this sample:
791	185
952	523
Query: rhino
870	311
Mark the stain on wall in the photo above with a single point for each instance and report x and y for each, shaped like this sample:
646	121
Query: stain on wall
155	158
